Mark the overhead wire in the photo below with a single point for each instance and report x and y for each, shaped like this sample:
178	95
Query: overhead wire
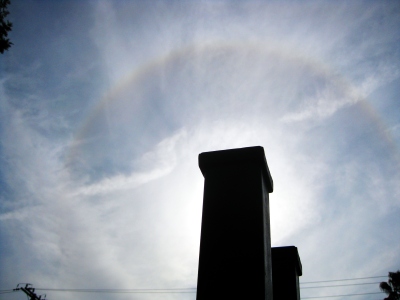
341	285
325	286
346	295
193	290
343	279
127	291
7	292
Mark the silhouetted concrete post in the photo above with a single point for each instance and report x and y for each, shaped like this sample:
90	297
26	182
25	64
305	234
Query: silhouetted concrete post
235	245
286	269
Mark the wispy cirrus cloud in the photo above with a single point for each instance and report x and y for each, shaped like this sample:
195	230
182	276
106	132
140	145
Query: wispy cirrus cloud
154	164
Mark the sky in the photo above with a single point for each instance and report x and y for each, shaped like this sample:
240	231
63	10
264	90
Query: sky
106	105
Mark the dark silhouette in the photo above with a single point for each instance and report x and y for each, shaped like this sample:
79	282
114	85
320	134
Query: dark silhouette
5	26
392	287
236	260
286	269
29	291
235	245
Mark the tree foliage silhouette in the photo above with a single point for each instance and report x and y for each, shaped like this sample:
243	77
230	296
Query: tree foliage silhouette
5	26
392	287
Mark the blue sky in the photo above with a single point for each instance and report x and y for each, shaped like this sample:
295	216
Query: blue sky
105	106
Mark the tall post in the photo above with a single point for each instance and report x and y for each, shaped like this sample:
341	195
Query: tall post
286	269
235	244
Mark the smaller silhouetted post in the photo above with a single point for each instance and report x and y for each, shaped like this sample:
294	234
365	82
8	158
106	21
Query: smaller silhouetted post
286	269
235	246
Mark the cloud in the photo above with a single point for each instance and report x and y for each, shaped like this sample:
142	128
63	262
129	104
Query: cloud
325	102
156	163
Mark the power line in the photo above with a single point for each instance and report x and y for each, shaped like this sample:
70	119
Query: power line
347	295
341	285
128	291
343	279
325	286
6	292
160	291
193	290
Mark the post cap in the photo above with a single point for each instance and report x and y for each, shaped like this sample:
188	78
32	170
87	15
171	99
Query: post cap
287	255
249	155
